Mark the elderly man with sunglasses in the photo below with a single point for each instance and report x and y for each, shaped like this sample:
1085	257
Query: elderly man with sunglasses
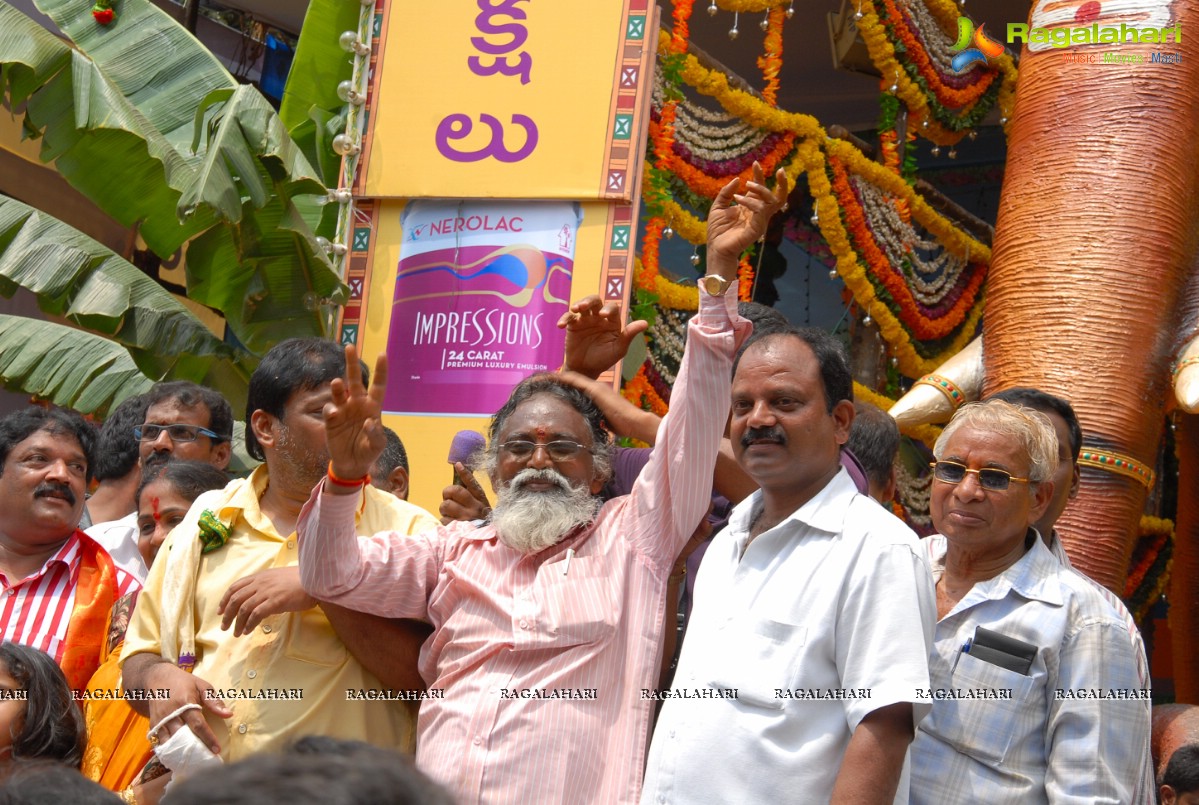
1035	692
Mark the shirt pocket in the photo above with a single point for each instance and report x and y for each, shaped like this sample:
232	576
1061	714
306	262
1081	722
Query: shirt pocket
984	727
580	607
759	659
310	638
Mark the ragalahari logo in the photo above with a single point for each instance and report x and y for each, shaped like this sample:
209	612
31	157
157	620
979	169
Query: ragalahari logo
984	47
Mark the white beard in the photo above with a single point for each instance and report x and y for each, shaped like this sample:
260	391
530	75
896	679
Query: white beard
530	522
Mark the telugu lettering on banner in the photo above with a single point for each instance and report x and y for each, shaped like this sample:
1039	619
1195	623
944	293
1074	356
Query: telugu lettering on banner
479	289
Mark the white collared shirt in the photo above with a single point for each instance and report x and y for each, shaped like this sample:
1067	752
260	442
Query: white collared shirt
827	617
119	538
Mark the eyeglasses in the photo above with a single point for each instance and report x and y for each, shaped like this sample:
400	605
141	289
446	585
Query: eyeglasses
989	478
178	433
560	450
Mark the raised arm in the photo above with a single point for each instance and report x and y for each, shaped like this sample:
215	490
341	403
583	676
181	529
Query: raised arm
388	574
626	419
673	491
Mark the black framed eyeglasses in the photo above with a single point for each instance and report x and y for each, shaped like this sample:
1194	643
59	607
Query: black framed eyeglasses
989	478
559	449
178	433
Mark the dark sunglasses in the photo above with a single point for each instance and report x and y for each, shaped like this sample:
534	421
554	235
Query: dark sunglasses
989	478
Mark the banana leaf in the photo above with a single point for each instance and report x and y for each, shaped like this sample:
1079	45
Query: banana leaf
311	109
272	280
75	277
245	178
69	367
149	58
93	134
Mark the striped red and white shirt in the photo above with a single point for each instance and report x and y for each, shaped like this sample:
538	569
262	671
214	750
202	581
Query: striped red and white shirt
36	610
546	663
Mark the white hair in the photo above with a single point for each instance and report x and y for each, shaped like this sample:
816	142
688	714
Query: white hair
530	522
1030	428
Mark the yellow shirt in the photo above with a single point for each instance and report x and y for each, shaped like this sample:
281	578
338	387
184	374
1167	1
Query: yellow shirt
290	676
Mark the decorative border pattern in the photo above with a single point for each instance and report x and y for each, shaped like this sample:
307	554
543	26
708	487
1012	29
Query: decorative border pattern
360	255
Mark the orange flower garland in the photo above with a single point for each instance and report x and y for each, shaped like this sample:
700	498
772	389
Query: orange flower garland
948	96
882	53
771	60
708	186
745	280
920	326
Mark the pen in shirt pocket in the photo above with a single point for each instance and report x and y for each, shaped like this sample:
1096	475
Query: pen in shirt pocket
566	565
964	650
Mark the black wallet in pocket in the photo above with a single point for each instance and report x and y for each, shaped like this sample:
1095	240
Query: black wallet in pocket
999	649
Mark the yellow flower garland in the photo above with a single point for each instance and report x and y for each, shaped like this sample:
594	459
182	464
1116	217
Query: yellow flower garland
809	158
882	53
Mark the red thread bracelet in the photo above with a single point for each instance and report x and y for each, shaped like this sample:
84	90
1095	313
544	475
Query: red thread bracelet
336	481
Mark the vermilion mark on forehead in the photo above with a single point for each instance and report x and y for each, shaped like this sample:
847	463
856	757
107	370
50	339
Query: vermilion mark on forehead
154	508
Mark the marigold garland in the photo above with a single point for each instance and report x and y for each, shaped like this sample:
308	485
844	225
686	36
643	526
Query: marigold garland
922	89
707	185
914	320
809	157
745	279
771	60
914	49
750	6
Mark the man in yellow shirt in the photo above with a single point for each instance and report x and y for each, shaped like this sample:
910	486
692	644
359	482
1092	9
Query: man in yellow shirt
224	602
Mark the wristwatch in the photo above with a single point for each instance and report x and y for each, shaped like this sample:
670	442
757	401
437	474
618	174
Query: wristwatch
715	284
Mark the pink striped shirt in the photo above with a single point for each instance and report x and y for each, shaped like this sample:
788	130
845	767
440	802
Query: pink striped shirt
36	611
543	659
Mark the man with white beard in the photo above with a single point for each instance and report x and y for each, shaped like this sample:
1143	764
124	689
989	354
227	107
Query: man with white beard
547	621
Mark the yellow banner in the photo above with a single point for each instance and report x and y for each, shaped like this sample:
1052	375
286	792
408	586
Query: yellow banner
508	99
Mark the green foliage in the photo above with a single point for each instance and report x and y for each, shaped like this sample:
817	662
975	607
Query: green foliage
69	367
144	121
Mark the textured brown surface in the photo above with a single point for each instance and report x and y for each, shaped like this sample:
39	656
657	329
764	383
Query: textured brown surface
1093	247
1184	575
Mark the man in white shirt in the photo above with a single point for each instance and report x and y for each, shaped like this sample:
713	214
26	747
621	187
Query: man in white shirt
813	611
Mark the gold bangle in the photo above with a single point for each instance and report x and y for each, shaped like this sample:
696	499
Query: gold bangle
676	577
1119	464
128	796
944	385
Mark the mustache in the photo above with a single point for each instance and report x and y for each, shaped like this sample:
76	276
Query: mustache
772	434
156	459
50	488
530	474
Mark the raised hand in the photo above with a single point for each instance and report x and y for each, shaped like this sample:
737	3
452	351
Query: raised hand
732	227
596	335
353	425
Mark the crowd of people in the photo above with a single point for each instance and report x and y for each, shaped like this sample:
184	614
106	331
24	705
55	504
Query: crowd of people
730	615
